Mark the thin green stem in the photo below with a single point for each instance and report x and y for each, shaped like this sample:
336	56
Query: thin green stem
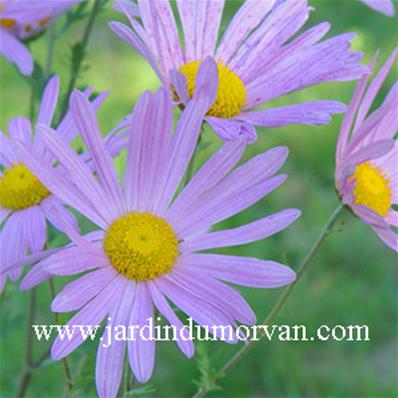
234	360
76	63
67	372
32	102
50	51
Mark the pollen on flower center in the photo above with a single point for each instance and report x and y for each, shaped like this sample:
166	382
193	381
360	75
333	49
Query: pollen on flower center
20	188
231	93
141	246
372	188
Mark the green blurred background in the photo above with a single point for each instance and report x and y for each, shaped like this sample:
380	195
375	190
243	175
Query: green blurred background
353	279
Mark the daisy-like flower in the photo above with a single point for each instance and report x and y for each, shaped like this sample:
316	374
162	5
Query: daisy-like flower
385	7
259	58
367	157
24	201
145	251
20	20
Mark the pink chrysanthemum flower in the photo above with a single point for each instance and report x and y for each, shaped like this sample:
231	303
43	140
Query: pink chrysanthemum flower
386	7
25	203
367	157
259	58
145	251
21	19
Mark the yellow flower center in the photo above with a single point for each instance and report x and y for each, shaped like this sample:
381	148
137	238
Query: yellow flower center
141	246
231	92
372	188
19	188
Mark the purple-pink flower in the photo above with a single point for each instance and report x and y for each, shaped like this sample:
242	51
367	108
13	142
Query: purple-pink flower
367	156
386	7
144	254
260	57
21	19
25	203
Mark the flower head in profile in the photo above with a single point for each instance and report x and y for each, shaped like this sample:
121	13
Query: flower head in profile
25	203
20	20
259	57
145	252
385	7
367	157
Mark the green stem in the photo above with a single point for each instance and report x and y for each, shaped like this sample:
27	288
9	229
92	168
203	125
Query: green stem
234	360
27	374
50	51
76	64
32	110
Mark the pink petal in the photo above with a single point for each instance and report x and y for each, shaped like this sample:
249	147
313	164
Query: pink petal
141	352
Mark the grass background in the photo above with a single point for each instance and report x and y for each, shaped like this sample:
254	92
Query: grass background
353	279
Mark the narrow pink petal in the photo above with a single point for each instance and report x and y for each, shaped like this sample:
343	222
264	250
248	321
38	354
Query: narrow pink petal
214	292
73	260
245	271
372	151
79	173
65	214
179	84
304	40
56	183
8	156
66	127
311	113
187	133
110	360
141	351
49	101
183	340
20	128
34	277
329	60
148	148
16	52
13	243
392	218
86	121
35	228
29	259
232	190
253	231
232	129
249	16
198	309
216	206
92	314
262	46
126	5
162	33
369	216
200	22
386	7
388	236
373	89
78	293
211	173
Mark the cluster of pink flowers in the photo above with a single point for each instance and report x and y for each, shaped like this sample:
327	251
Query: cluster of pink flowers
152	230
